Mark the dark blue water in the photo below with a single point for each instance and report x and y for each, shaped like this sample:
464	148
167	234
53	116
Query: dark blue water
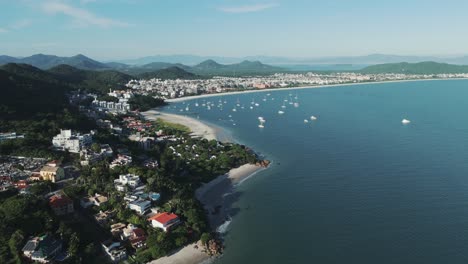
356	185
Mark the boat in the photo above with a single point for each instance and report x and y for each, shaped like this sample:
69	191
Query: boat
280	112
283	106
313	118
261	126
234	110
256	104
306	121
405	121
251	107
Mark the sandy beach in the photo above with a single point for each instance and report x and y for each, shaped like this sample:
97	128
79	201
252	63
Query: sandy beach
213	194
186	255
217	203
181	99
198	128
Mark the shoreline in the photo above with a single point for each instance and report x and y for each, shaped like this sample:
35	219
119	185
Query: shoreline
198	128
201	96
217	196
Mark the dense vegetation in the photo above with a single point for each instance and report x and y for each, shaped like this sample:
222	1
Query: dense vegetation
169	73
145	102
428	67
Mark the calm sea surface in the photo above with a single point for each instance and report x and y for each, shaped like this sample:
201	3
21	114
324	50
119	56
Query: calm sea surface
355	185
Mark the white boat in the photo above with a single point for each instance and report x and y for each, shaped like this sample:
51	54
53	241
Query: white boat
261	119
234	110
306	121
405	121
280	112
313	118
261	126
256	104
296	104
251	107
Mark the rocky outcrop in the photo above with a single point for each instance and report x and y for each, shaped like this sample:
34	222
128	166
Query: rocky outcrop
263	163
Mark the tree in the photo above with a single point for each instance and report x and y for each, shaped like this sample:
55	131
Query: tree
96	147
15	243
73	245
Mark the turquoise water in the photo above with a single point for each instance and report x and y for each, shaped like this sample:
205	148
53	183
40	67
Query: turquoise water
356	185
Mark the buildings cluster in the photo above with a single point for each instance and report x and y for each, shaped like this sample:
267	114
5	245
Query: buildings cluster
20	172
179	88
72	142
121	106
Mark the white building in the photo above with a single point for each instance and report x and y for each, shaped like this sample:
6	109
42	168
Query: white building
73	142
164	220
127	180
139	206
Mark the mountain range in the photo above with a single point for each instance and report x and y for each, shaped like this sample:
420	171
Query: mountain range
207	67
285	61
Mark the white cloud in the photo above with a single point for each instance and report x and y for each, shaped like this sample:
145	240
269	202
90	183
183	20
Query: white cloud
248	8
81	17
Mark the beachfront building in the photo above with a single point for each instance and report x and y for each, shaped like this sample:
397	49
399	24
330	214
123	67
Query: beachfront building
61	204
73	142
127	180
114	250
165	221
135	235
42	249
139	206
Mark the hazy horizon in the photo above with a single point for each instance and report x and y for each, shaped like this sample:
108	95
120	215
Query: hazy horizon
127	29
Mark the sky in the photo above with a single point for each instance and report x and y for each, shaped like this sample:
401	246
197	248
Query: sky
124	29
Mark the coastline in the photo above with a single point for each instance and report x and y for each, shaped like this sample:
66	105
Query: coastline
198	128
217	196
201	96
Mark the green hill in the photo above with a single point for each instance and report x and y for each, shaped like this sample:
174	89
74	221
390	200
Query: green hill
211	67
97	81
43	61
428	67
168	73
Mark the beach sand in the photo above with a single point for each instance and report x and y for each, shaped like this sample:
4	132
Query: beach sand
186	255
198	128
212	195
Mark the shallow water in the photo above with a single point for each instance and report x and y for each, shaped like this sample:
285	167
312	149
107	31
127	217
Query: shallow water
356	185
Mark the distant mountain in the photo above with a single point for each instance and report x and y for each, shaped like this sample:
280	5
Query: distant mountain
43	61
428	67
168	73
100	81
211	67
28	91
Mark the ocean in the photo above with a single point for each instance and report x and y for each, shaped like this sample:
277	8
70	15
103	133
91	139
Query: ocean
356	185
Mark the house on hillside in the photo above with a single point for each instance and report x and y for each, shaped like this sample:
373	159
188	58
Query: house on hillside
165	221
61	204
42	249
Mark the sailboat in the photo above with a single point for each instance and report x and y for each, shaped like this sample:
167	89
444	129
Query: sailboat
280	112
313	118
283	106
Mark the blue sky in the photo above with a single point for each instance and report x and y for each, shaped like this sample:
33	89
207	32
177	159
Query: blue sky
120	29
